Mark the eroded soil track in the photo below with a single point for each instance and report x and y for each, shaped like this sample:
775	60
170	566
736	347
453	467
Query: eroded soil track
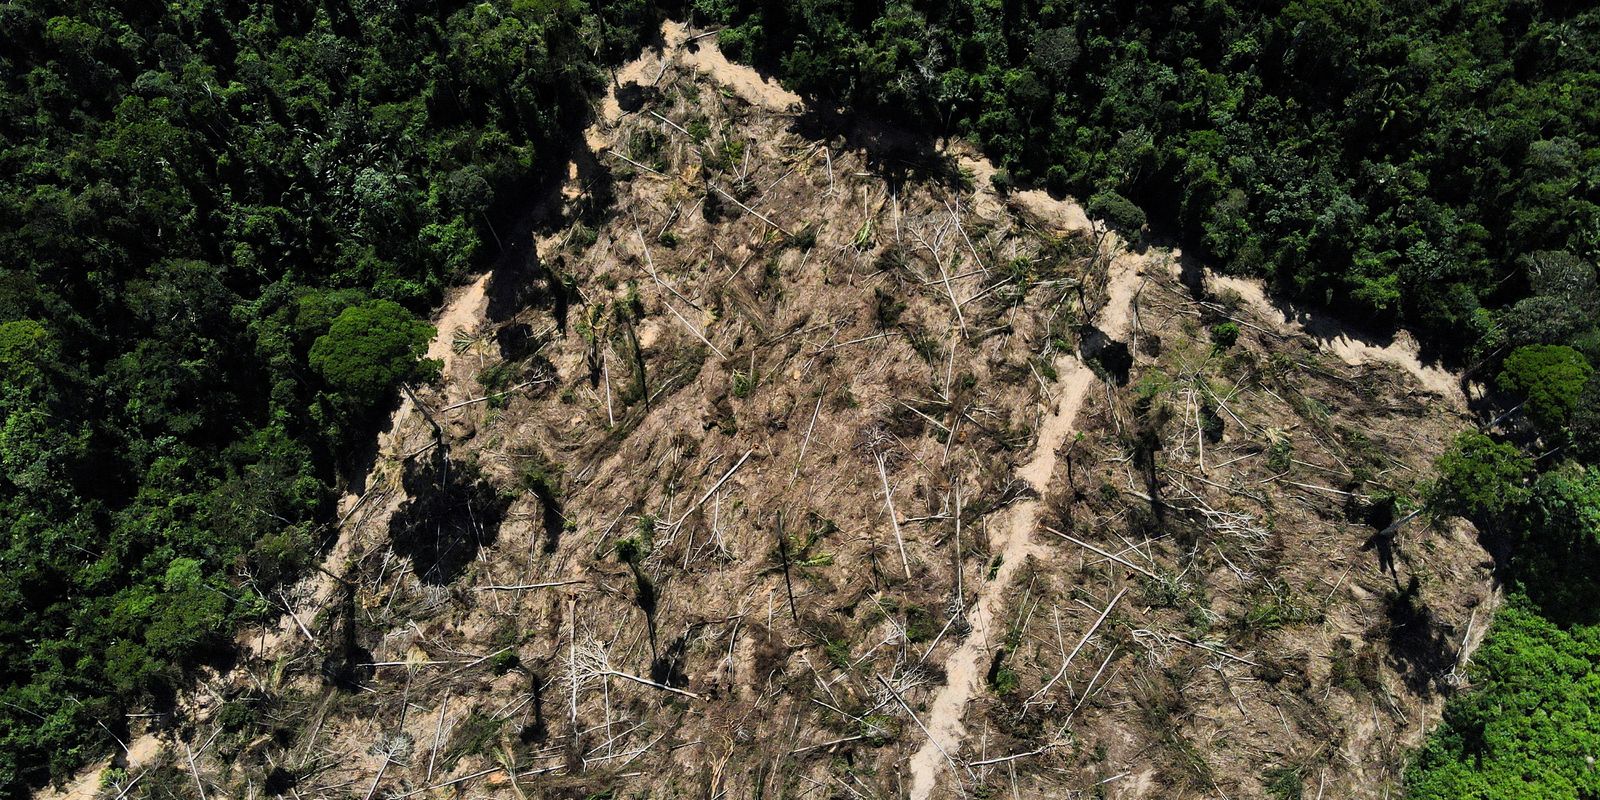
965	667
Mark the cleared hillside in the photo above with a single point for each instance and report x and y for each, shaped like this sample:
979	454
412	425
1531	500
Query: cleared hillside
795	466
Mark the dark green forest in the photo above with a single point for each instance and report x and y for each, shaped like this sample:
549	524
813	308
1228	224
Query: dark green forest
220	225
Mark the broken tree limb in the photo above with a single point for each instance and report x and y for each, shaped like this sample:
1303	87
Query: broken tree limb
1088	691
1119	559
673	124
451	782
523	385
1067	662
647	682
1395	526
821	745
635	163
605	366
961	321
512	587
195	771
894	520
1211	649
697	334
650	264
715	487
1013	757
757	214
807	443
438	735
925	732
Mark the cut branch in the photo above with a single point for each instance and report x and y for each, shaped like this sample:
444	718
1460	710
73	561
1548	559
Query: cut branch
894	520
757	214
512	587
1119	559
647	682
715	487
1067	662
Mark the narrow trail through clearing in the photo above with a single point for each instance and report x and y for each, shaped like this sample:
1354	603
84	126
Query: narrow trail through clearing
964	669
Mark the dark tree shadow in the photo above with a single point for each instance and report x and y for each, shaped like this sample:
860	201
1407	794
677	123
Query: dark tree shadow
551	517
537	731
355	463
1383	545
1191	270
1561	580
633	97
1324	324
1109	358
894	153
1377	514
516	341
280	782
671	667
518	279
1423	651
348	666
452	513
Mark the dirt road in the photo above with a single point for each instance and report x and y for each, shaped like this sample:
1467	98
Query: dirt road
965	667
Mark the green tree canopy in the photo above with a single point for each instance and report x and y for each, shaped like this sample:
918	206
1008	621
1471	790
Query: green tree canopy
370	348
1479	476
1550	378
1529	730
25	349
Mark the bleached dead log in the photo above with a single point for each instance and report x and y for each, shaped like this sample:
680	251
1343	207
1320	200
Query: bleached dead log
605	367
438	734
647	682
690	326
931	740
894	520
714	488
1120	560
512	587
635	163
1212	649
1088	691
1067	662
1013	757
448	783
821	745
757	214
675	125
496	396
199	785
807	442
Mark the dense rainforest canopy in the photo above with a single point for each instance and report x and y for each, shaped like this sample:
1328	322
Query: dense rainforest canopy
1401	160
220	223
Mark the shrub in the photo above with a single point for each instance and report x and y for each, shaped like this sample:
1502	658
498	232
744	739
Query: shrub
1550	378
1225	334
1122	213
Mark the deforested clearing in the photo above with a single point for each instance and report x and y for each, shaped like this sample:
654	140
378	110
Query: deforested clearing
786	461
